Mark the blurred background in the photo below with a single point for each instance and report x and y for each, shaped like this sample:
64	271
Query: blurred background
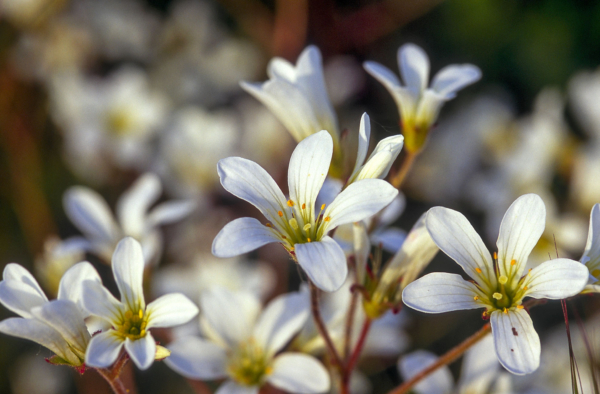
99	92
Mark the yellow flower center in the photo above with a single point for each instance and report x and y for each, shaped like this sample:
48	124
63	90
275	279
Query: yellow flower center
119	122
299	224
248	364
133	325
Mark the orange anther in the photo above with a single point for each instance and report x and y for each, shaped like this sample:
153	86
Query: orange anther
513	262
520	307
303	206
308	239
290	203
280	213
327	218
505	311
268	224
322	207
495	255
478	270
476	298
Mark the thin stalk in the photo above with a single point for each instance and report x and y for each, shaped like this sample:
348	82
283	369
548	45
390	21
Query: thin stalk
447	358
407	164
349	324
115	383
364	332
314	302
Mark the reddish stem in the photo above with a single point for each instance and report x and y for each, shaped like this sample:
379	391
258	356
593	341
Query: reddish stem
314	301
364	332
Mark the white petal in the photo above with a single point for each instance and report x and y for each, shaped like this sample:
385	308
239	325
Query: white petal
141	351
390	239
393	211
455	236
329	191
231	315
592	246
299	373
451	79
428	108
19	291
128	269
98	301
196	358
440	292
517	344
134	204
414	67
170	310
324	262
281	320
241	236
439	382
308	168
170	211
281	68
359	201
231	387
521	228
250	182
361	249
480	366
382	158
103	349
70	287
66	318
556	279
90	213
36	331
364	134
384	75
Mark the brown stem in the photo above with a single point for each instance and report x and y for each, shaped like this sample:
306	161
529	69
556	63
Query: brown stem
314	302
364	332
349	324
407	164
115	383
447	358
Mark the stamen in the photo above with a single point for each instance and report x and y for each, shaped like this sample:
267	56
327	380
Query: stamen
294	223
475	298
290	203
306	227
497	296
525	287
520	307
322	207
505	311
502	279
513	262
308	239
529	272
327	218
478	270
280	213
495	255
303	206
268	225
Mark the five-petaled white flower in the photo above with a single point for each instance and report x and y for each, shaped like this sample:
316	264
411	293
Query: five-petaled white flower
91	214
130	318
298	98
295	222
418	105
57	325
498	285
243	344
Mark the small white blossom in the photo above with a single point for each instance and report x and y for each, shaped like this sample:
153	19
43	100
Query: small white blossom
130	318
243	344
498	285
418	105
57	325
295	222
91	214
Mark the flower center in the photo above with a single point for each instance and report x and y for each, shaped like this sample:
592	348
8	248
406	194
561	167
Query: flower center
133	325
248	364
300	225
119	122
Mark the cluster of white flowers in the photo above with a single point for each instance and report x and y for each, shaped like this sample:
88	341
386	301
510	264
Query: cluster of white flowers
159	110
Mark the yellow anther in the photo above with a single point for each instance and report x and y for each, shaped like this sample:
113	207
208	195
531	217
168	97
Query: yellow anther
290	203
303	206
268	370
327	218
495	255
135	319
502	279
497	296
322	207
478	270
280	213
292	249
306	227
529	272
476	298
520	307
525	287
128	315
513	262
143	333
596	273
294	223
268	224
141	313
505	311
308	239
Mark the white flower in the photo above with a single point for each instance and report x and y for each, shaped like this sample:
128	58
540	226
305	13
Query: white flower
418	105
591	254
130	318
382	158
498	285
479	369
295	222
57	325
91	214
58	256
244	345
298	98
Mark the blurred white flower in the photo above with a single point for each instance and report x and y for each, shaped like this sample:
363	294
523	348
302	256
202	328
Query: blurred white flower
295	223
57	325
418	105
108	122
29	13
584	90
480	368
130	318
497	285
57	258
91	214
591	254
243	345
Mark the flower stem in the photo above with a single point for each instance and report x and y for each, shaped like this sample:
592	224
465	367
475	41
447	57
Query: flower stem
349	324
314	302
112	375
355	355
447	358
407	164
